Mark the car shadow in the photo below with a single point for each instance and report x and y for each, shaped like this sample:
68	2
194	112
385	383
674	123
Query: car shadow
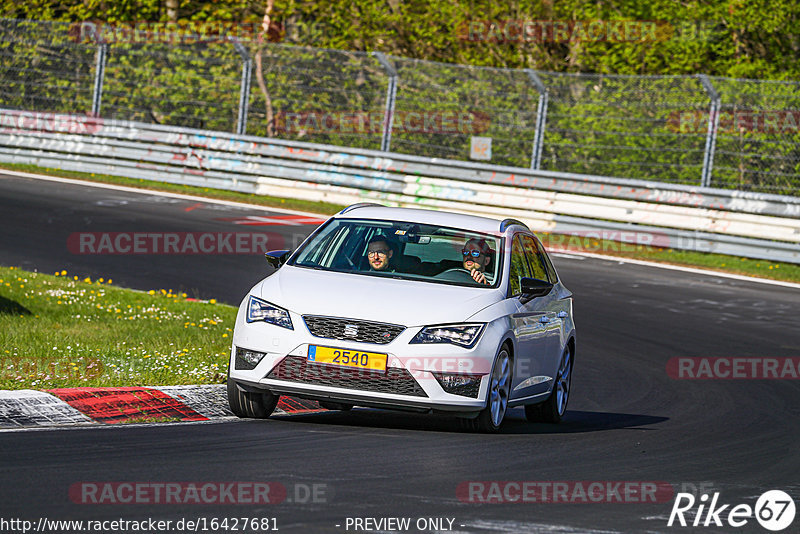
12	307
515	423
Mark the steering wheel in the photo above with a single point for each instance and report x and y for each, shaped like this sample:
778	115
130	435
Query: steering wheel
456	274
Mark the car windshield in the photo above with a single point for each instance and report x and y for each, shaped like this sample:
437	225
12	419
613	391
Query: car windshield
402	250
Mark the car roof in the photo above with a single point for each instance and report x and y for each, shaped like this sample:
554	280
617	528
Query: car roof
422	216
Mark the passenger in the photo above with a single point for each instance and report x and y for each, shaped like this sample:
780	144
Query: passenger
477	256
379	254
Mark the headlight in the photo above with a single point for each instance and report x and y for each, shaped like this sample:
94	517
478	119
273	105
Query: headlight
463	335
261	310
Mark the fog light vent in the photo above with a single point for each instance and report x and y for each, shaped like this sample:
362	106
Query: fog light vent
460	384
247	359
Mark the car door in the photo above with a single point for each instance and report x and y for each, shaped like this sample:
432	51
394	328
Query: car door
530	324
553	308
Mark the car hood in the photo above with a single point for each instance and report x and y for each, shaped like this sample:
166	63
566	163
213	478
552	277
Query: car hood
372	298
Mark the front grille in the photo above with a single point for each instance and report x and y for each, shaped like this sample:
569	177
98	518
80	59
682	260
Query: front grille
352	329
297	369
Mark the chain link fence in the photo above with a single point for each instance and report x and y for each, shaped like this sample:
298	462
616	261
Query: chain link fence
323	96
439	107
625	126
192	86
696	130
43	69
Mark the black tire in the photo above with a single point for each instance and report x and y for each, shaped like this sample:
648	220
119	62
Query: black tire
490	419
249	404
553	409
329	405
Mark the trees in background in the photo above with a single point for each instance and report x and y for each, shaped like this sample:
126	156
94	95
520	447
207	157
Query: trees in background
736	38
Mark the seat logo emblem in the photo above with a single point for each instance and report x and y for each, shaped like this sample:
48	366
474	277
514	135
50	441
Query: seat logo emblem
351	330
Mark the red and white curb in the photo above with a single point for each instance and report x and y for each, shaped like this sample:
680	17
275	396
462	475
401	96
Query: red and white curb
113	405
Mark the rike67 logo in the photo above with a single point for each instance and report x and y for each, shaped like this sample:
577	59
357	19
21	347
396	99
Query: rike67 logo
774	510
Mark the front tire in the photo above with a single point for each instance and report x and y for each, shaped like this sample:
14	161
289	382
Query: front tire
249	404
553	409
491	418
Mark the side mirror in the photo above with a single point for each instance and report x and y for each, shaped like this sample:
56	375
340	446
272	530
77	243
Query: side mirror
533	287
276	258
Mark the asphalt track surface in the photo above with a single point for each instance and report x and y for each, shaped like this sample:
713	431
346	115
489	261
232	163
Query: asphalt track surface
627	419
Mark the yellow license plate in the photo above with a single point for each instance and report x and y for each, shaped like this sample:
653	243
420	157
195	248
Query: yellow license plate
347	358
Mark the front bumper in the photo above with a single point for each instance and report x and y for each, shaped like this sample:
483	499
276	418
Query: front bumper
408	383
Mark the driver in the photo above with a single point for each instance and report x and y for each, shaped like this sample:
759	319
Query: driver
379	254
477	255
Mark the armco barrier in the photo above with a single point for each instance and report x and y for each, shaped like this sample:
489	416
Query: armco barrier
730	222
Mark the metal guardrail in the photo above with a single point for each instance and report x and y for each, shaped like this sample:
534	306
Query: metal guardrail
684	217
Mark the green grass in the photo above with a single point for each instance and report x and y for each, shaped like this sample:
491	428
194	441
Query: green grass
56	331
718	262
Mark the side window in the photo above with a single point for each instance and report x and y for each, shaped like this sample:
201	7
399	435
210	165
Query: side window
519	267
535	257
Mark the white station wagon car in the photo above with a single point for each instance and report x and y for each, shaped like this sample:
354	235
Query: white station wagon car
408	309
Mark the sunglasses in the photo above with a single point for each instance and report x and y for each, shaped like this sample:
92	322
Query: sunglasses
377	252
473	253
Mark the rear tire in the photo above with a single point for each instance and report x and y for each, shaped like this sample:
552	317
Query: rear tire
490	419
250	404
553	409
